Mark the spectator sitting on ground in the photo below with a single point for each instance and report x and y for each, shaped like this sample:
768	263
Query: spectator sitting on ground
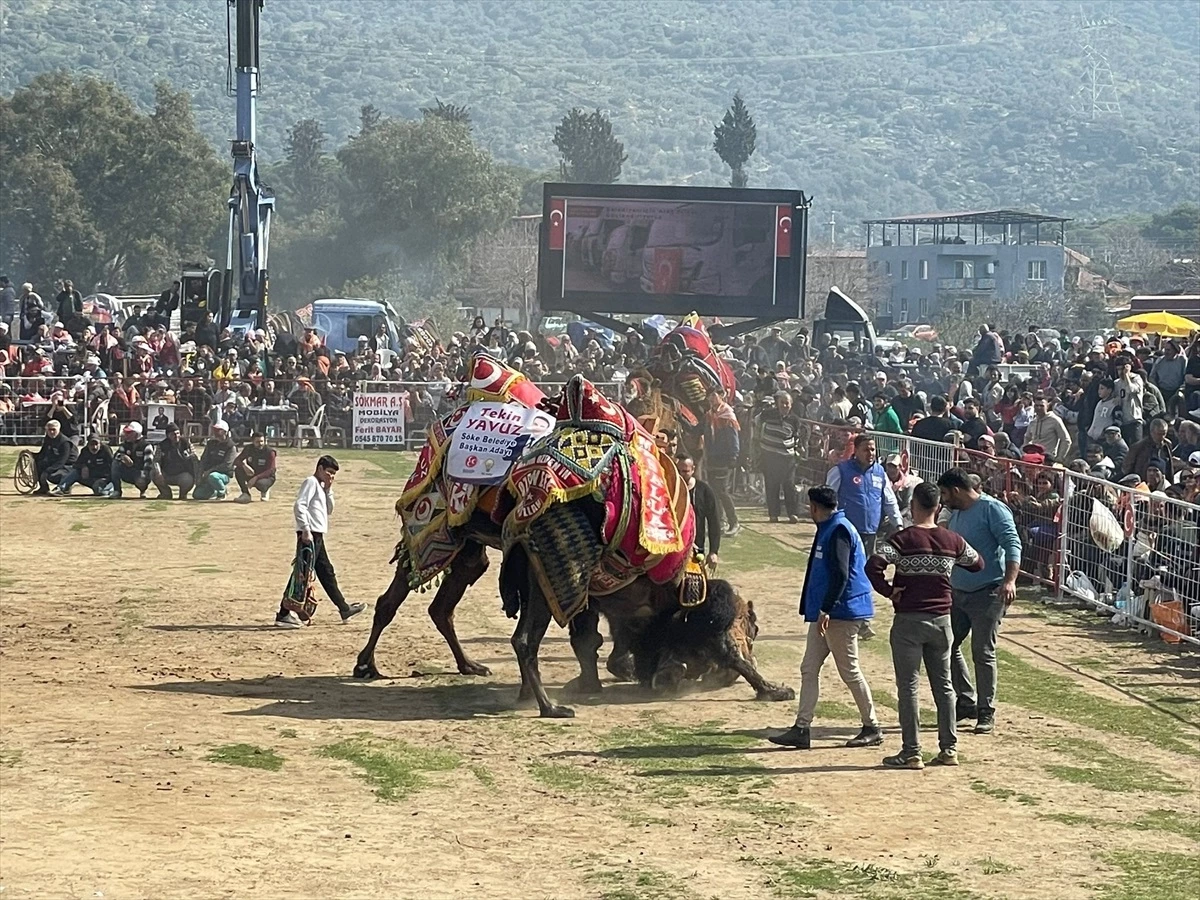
133	461
255	468
55	458
175	464
93	467
216	464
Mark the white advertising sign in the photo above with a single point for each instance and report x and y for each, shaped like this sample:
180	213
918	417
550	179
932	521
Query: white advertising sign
490	438
379	418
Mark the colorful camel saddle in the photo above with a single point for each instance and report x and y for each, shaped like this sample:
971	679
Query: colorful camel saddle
645	525
434	504
689	364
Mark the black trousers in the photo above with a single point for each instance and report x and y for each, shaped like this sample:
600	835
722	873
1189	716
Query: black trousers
779	474
323	569
720	480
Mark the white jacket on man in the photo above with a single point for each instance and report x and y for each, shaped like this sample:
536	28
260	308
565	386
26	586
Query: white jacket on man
314	505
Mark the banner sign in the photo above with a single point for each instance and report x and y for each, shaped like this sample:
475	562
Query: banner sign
379	418
490	438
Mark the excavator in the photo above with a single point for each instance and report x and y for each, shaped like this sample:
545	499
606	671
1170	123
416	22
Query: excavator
237	297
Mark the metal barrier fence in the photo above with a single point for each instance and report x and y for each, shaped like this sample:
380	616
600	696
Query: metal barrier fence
96	405
1124	550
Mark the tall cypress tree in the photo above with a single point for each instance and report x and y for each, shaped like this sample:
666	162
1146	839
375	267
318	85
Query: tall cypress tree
734	140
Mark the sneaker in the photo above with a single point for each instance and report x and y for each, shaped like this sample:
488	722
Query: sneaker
352	610
288	620
242	498
795	737
795	520
945	758
774	520
266	495
904	760
965	711
986	723
734	530
870	736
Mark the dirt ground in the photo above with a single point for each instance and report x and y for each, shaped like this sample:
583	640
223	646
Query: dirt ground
158	738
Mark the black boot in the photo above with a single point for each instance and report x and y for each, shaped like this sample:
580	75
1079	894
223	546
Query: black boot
986	723
870	736
965	710
797	737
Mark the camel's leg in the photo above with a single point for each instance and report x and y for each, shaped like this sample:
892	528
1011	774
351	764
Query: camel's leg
620	661
732	658
526	640
586	642
385	610
468	566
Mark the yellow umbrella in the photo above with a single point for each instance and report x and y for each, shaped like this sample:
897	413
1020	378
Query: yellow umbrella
1164	323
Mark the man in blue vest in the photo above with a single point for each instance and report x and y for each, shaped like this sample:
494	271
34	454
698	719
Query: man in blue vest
864	491
836	601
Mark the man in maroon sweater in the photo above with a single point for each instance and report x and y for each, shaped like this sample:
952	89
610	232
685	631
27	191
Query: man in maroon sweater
924	555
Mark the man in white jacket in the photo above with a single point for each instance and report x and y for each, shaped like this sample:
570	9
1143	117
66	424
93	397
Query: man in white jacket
314	505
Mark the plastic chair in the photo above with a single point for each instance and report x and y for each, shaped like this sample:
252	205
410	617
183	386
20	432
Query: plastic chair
313	429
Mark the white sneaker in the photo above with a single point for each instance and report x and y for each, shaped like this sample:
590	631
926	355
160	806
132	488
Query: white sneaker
243	498
266	495
288	620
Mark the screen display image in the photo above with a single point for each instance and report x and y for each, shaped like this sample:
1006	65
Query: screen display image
716	249
668	250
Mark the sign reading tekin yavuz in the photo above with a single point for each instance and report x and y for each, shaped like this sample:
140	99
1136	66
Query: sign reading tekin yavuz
615	248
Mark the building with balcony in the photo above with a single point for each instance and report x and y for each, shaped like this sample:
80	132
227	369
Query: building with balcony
928	264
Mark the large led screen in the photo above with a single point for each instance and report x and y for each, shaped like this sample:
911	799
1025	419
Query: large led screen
671	250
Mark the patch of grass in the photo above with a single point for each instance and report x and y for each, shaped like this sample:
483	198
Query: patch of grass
751	552
1073	819
483	776
393	768
1147	875
639	819
79	526
288	733
246	755
1170	820
567	778
812	878
10	757
199	533
391	465
639	884
774	812
989	865
835	709
1106	771
1000	793
155	506
1058	696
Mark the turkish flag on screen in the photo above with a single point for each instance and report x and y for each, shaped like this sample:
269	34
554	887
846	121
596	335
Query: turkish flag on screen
667	264
783	231
558	224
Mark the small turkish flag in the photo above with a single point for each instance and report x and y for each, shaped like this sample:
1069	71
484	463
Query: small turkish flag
783	231
667	264
558	224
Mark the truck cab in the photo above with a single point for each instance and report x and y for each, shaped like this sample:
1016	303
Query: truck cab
340	322
847	321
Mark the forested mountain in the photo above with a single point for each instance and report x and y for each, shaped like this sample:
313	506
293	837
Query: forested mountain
876	108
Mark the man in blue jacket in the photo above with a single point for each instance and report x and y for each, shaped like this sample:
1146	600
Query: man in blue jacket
836	602
864	492
980	598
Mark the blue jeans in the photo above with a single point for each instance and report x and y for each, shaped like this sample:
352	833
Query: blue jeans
211	485
100	486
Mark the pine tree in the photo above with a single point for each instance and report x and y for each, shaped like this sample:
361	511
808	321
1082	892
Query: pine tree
590	154
448	112
734	140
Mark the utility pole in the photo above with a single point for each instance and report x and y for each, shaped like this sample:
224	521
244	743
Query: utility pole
832	227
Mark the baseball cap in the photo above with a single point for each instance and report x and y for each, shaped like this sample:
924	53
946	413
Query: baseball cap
986	439
1112	429
894	460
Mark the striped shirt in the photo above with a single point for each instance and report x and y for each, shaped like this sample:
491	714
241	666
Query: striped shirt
778	434
924	559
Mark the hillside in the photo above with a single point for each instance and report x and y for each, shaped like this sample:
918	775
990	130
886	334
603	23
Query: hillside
876	109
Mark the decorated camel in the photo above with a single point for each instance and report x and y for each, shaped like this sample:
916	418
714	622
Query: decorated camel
672	391
600	523
449	523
